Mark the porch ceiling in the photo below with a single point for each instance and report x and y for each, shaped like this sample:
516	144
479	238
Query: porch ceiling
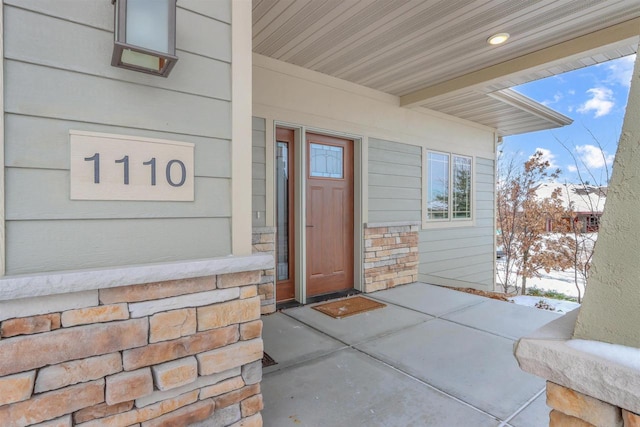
433	53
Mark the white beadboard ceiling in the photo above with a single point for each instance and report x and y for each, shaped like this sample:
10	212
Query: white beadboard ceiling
406	47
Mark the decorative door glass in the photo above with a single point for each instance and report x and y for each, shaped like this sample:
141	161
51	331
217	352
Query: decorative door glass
325	161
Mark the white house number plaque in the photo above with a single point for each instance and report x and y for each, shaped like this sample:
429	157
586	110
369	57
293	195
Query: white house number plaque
117	167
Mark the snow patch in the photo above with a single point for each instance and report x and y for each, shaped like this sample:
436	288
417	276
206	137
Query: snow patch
559	281
558	306
626	356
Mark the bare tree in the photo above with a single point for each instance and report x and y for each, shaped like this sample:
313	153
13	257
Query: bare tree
523	220
584	203
508	204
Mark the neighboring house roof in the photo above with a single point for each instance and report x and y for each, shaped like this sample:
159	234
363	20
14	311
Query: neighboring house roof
581	198
433	55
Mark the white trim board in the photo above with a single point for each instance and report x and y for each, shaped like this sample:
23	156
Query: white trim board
279	96
241	95
3	244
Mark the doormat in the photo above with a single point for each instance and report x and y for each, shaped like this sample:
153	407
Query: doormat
348	307
267	360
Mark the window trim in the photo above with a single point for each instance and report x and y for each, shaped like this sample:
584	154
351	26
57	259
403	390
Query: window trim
449	222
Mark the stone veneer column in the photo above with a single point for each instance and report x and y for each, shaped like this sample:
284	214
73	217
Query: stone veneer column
572	408
583	389
610	310
263	241
390	255
151	354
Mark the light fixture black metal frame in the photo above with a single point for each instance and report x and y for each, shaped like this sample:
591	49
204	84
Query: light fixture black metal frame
119	45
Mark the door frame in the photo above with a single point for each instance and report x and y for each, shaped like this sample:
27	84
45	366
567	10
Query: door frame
300	173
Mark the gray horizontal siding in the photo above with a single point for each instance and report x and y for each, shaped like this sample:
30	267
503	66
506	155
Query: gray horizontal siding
57	78
189	12
48	198
464	256
38	142
104	243
395	181
258	173
377	180
37	90
37	38
216	9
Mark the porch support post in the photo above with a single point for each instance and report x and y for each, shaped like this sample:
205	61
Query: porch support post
609	311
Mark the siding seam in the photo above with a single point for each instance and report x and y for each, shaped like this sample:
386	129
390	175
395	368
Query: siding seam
220	138
99	76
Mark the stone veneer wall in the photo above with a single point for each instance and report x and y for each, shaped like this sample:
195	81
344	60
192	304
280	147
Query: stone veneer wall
263	241
157	354
390	255
574	409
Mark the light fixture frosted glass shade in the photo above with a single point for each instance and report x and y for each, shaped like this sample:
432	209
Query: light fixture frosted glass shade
145	34
148	24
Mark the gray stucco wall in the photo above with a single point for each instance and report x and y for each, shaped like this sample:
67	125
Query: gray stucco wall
463	256
395	181
58	77
258	173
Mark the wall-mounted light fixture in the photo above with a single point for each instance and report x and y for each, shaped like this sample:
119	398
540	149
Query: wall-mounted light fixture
145	36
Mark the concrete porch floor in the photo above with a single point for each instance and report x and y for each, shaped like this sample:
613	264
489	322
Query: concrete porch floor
431	357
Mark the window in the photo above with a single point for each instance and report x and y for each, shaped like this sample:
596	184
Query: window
449	194
461	187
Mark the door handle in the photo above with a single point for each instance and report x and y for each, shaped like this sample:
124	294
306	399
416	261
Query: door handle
308	226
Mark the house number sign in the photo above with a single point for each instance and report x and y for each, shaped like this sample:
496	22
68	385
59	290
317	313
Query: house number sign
117	167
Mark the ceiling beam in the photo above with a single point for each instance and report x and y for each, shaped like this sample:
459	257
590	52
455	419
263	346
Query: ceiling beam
571	49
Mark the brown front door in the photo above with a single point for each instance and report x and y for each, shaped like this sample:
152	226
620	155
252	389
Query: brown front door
329	214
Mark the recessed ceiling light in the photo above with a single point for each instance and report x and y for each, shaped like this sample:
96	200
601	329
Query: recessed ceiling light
498	38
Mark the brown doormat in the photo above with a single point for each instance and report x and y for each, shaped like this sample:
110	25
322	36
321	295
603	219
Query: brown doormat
348	307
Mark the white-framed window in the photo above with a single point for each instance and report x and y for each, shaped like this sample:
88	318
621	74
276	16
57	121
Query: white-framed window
449	188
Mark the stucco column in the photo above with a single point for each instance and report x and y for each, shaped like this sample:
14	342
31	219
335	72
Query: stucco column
611	308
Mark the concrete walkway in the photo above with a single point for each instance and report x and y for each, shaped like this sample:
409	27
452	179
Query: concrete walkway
431	357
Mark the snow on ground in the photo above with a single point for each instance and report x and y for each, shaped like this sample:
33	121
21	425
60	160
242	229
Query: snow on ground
555	305
626	356
559	281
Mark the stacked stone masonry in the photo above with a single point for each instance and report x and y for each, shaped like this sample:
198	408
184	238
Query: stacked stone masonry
173	353
264	241
573	409
390	256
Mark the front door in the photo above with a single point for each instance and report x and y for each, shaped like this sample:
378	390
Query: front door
329	218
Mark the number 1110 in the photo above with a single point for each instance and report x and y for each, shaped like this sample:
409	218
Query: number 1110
152	163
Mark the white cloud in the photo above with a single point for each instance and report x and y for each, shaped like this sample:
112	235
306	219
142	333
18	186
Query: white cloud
556	98
601	102
592	157
572	168
571	92
621	70
548	156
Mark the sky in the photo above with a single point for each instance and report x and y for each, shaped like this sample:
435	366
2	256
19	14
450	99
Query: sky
595	98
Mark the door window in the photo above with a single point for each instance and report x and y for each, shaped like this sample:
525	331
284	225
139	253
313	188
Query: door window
325	161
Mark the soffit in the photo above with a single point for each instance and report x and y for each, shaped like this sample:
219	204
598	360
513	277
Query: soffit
402	46
506	110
